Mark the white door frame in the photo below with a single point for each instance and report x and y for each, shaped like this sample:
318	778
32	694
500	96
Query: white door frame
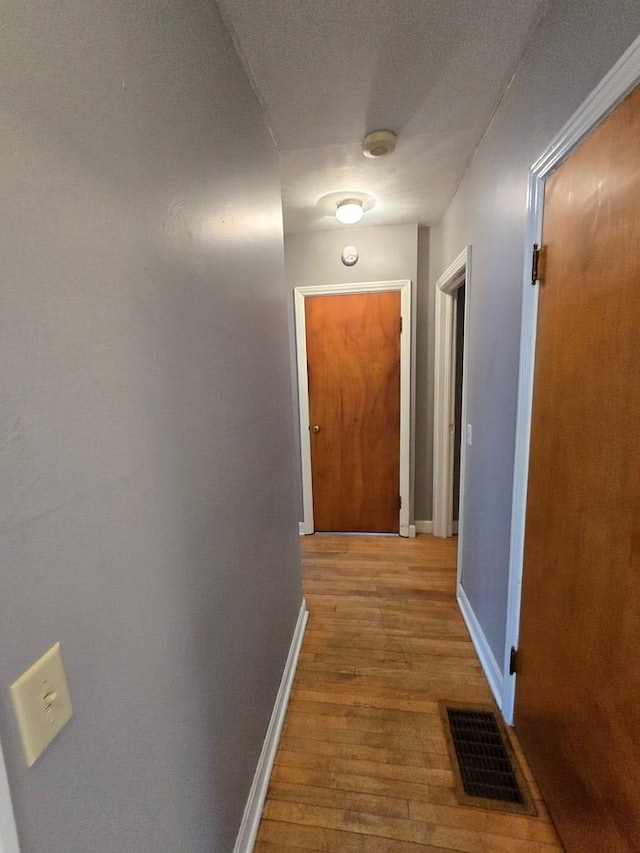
406	390
622	78
456	274
8	834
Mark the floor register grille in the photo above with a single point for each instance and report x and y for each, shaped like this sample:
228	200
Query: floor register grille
485	768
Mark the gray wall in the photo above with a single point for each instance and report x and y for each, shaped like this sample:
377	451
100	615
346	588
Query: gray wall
574	47
385	254
147	515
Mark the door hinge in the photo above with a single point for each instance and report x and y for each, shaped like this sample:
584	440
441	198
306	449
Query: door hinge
400	325
399	501
513	661
537	263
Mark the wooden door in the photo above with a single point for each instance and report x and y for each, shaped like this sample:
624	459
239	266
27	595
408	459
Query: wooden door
353	362
578	685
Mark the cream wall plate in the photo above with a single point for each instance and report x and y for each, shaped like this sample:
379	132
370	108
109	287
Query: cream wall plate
42	703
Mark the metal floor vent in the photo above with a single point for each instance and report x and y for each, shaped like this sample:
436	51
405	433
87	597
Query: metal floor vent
486	770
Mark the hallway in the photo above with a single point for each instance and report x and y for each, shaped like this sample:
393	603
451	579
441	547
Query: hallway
362	765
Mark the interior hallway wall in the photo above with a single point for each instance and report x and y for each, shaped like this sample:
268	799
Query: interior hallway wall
573	48
147	512
386	253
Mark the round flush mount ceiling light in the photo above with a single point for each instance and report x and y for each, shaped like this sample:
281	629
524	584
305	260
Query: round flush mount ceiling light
349	211
379	144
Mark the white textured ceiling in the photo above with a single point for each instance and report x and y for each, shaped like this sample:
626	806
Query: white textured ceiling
330	71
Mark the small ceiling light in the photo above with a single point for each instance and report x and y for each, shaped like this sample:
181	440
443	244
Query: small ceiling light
379	144
349	211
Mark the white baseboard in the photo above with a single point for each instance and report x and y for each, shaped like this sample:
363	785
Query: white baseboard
487	659
408	531
253	810
424	526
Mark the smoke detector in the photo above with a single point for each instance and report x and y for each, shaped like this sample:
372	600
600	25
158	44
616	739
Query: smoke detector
379	143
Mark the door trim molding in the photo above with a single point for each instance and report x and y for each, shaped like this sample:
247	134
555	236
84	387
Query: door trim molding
615	86
456	274
8	833
406	389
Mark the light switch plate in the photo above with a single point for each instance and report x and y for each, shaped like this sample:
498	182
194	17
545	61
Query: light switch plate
42	703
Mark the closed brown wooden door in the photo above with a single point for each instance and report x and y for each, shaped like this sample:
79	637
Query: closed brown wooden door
578	683
353	362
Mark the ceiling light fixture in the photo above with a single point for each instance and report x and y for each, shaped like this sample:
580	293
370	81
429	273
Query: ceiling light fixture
349	211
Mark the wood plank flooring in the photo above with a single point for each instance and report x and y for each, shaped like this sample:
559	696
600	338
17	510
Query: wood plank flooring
362	765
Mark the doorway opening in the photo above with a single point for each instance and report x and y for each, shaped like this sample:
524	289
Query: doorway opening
616	85
576	690
311	431
451	433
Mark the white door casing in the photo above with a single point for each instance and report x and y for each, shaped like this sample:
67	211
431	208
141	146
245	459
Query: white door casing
406	391
8	834
615	86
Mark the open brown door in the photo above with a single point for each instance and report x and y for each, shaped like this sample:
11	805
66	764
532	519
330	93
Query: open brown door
353	361
578	685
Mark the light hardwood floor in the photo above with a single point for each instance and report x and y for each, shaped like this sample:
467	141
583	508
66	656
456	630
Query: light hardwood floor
362	765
